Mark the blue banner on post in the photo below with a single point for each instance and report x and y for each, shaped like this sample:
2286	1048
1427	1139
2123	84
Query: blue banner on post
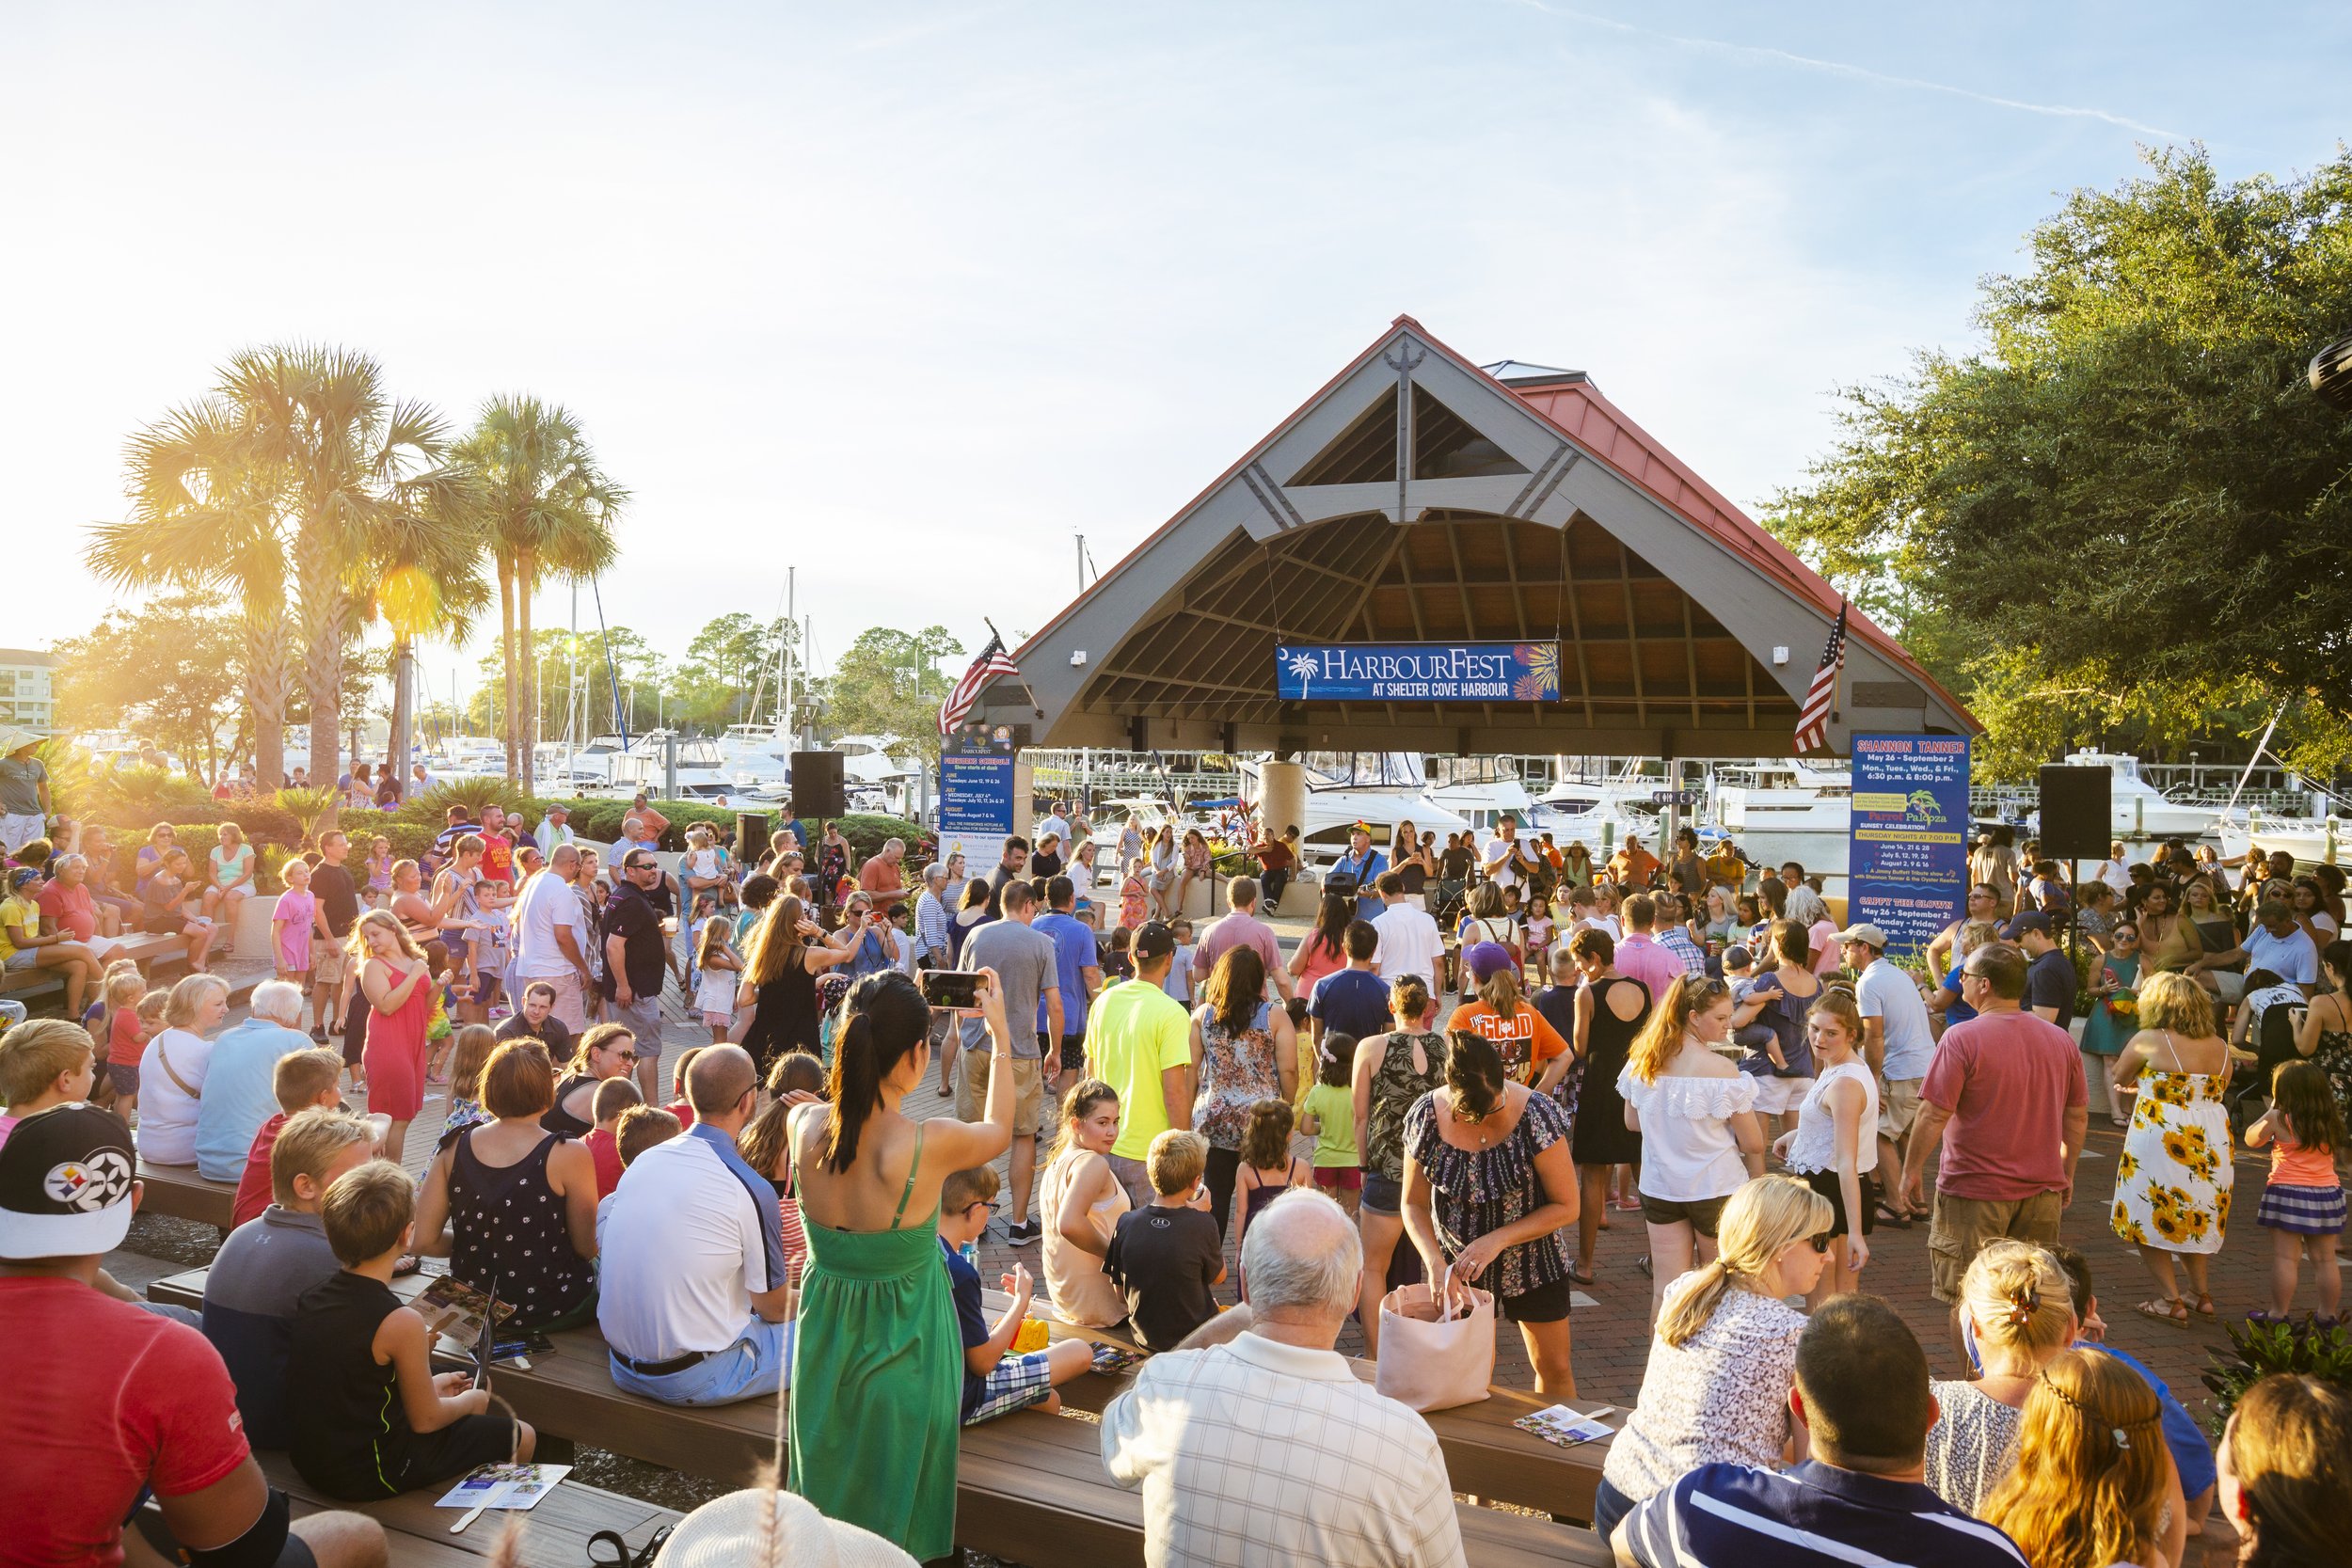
975	808
1907	853
1417	672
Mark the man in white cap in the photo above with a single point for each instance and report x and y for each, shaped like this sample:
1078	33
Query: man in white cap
88	1434
23	790
1898	1043
554	829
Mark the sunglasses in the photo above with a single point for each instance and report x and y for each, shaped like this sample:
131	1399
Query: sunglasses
1821	1240
628	1056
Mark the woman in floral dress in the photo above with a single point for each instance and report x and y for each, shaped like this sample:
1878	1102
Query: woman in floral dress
1241	1051
2172	1182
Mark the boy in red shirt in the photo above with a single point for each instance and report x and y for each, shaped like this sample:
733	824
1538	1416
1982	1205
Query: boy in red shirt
301	1080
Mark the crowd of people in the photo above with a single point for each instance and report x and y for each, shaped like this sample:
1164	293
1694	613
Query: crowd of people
1444	1080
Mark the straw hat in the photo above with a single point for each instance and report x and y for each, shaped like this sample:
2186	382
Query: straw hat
726	1533
13	739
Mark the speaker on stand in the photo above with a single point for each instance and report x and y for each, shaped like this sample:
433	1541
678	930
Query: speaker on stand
2077	824
817	786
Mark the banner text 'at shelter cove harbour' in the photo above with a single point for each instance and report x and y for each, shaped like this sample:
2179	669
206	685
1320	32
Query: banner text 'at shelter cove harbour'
1418	672
1907	860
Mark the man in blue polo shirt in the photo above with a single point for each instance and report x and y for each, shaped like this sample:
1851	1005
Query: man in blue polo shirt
1352	1001
1078	969
1862	1396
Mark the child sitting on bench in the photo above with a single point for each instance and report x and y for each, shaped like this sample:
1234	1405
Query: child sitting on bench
373	1419
997	1378
300	1080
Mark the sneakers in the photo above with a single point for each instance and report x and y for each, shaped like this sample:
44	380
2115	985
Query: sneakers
1024	1233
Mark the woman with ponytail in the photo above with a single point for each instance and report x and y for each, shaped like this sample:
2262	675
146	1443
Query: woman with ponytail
2094	1484
2016	1308
2284	1481
1696	1114
1488	1188
1390	1074
1716	1388
1530	1048
877	1359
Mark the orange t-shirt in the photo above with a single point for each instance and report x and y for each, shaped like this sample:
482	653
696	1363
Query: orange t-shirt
1526	1039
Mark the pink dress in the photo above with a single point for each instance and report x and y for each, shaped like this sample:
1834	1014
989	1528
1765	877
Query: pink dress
396	1052
292	921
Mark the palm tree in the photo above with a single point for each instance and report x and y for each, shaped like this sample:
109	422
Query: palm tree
545	508
205	515
427	582
351	463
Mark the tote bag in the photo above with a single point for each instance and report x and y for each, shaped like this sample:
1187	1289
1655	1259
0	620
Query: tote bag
1430	1358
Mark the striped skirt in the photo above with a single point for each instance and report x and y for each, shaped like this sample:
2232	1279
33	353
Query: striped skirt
2305	1211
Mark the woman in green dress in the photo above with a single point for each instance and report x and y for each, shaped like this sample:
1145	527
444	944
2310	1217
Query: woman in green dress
2105	1031
877	1361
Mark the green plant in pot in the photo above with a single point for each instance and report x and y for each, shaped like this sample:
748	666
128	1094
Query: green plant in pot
2259	1349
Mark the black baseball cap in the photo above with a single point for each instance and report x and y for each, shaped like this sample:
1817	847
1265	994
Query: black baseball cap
2031	921
1154	938
66	1176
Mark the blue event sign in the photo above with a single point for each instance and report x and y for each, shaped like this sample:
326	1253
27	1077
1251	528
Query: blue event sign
1418	672
1907	852
974	808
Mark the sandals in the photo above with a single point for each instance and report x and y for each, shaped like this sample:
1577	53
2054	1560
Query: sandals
2204	1306
2169	1309
1581	1276
1647	1268
1888	1216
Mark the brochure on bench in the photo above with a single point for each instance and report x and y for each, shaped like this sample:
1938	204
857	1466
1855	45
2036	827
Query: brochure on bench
505	1486
1559	1424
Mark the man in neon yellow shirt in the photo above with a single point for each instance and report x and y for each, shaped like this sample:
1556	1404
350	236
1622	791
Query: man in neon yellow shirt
1140	1042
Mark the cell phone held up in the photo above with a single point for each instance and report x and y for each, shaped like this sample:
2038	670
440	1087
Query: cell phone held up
956	988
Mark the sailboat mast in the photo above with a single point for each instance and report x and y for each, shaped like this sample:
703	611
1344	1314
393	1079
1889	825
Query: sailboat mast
784	716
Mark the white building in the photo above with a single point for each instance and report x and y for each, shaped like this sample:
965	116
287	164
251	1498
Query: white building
24	690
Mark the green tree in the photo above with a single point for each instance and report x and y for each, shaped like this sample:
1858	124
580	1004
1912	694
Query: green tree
2125	509
888	682
730	668
545	508
169	669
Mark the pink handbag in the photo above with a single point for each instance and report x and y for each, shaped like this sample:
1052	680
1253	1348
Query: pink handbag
1430	1358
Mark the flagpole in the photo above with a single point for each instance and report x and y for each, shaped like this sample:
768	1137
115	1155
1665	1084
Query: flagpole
1837	676
1038	707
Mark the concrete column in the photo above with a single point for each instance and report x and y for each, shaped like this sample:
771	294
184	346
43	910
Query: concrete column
1024	791
1281	797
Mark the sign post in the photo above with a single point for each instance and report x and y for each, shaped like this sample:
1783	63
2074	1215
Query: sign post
1907	852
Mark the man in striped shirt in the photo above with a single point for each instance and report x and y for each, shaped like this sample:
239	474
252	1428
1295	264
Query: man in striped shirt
1862	1396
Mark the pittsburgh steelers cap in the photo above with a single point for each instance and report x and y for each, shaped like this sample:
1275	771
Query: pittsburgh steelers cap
65	1184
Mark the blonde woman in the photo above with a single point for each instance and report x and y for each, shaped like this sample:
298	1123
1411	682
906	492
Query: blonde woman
1716	1387
1696	1114
172	1078
1834	1146
233	864
2095	1483
2015	1303
398	985
2172	1180
1081	1199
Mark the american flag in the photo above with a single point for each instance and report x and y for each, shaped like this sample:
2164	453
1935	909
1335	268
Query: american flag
1813	713
994	662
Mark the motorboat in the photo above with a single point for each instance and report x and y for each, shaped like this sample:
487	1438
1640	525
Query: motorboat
2325	840
2138	808
1599	814
1785	796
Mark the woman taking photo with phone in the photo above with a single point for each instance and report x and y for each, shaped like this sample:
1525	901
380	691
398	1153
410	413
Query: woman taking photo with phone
780	968
877	1359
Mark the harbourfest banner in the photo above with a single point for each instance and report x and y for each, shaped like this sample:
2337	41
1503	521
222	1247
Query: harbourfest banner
1907	852
1418	672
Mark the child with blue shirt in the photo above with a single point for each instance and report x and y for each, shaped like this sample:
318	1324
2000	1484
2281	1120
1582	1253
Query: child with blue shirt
998	1380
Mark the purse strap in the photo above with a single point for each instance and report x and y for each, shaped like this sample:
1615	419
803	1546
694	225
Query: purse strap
165	1062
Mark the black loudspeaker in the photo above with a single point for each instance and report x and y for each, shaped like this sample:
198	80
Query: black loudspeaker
817	786
751	835
2077	813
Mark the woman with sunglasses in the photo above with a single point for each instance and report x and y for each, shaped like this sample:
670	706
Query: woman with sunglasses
1696	1114
1716	1387
1834	1146
604	1051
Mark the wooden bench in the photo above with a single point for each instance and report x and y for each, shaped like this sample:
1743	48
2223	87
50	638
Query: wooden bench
182	1193
555	1532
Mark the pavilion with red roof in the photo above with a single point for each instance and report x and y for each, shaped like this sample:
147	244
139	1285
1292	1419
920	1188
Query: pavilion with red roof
1418	497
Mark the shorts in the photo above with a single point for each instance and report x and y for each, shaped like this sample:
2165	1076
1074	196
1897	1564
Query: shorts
1073	1051
410	1461
1136	1177
1383	1194
1963	1226
1778	1096
1826	1183
1702	1213
1028	1093
18	828
1898	1106
719	1017
1015	1382
267	1543
327	964
22	958
124	1076
2302	1211
1545	1303
1347	1178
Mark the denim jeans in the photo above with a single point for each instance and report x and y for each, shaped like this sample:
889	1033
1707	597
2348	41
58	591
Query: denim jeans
758	1363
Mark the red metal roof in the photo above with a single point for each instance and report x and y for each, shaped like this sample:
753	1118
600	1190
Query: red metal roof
1598	426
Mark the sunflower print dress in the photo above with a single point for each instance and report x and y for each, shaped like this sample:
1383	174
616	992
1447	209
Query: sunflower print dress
2172	1182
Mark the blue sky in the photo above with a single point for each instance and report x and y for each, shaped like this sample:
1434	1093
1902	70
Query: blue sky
904	295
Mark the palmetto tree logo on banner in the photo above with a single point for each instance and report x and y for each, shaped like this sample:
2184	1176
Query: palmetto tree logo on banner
1306	667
